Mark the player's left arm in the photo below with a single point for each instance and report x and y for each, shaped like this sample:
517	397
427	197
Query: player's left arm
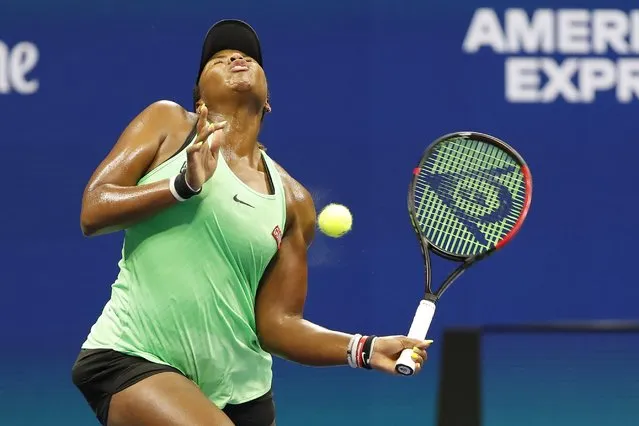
281	326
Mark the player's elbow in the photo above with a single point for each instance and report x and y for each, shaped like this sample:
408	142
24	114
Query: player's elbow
272	333
87	225
268	332
89	230
89	219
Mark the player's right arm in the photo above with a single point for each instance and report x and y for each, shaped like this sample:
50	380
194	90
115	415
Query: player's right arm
112	200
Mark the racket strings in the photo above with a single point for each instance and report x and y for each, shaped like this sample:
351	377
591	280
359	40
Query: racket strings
485	156
480	187
448	230
475	209
459	192
500	159
468	207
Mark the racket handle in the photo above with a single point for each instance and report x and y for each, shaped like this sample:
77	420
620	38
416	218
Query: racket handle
418	330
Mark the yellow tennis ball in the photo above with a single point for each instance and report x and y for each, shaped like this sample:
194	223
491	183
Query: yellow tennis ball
335	220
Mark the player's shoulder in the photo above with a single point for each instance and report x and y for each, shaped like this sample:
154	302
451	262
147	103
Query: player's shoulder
296	193
299	203
168	113
165	107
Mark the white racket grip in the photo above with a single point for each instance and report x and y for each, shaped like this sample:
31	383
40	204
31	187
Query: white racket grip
418	330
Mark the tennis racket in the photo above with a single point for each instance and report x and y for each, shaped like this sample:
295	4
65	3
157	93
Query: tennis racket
469	196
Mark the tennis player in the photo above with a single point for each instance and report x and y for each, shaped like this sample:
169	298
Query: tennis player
213	273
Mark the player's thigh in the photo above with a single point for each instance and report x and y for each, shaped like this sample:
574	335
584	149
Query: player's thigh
164	399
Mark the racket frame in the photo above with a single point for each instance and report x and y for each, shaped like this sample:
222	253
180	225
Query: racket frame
482	137
405	365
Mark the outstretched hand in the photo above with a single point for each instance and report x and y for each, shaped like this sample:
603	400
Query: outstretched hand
202	155
388	349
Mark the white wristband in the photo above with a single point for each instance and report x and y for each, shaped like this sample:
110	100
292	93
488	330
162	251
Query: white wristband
189	186
372	348
174	191
351	355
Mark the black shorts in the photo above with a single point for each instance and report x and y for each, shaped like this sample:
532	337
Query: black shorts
101	373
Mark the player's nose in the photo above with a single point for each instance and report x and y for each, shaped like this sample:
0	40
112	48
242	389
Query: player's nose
237	56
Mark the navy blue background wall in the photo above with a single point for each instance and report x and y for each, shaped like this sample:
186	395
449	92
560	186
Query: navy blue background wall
359	88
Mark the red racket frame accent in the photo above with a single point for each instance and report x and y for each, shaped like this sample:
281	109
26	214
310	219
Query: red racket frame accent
524	212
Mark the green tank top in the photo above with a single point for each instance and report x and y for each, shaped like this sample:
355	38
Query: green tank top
185	293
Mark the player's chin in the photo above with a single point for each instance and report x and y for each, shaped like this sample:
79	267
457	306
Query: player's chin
242	83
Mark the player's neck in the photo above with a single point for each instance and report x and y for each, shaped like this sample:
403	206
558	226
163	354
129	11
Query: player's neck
241	131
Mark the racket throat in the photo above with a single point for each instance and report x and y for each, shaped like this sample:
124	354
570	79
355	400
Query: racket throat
452	277
431	297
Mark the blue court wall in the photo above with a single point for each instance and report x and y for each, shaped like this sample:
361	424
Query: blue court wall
359	89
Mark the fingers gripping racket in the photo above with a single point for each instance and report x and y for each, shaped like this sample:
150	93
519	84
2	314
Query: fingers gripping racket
468	198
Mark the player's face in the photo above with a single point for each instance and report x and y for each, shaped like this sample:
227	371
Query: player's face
231	72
